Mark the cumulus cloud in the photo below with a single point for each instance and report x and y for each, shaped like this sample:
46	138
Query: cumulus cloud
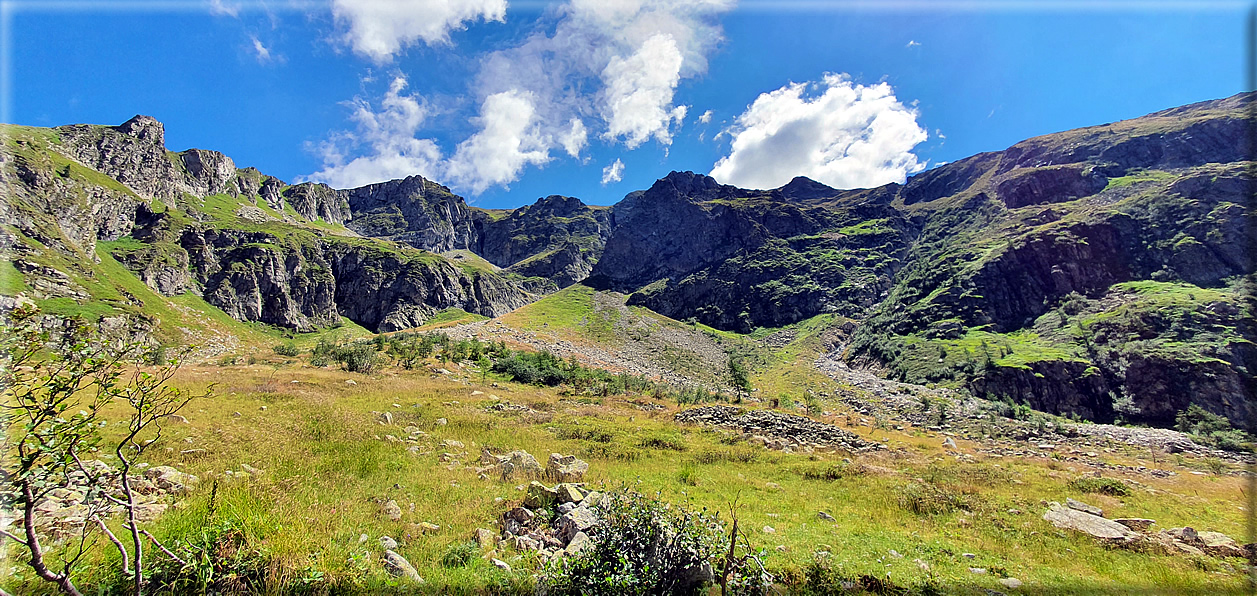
837	132
613	172
705	117
639	93
509	139
385	141
575	138
378	29
606	70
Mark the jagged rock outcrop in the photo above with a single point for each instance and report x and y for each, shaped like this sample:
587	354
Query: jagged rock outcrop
415	211
133	153
558	238
314	201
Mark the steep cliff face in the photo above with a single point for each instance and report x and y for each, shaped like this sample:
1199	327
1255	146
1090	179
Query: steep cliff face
558	238
415	211
738	259
192	222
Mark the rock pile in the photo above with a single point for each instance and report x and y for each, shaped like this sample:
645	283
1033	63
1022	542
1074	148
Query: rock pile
551	521
66	510
777	430
560	468
1132	532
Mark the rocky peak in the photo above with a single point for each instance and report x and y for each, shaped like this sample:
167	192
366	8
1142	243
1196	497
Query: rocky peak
557	205
690	185
803	187
145	128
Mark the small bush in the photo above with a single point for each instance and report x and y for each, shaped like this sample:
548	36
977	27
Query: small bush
643	546
361	358
1211	429
831	472
931	499
660	441
459	554
1103	486
220	560
286	349
738	456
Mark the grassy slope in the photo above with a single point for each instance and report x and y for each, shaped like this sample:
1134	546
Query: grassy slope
327	461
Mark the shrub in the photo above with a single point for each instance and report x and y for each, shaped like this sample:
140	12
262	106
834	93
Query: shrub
642	546
361	358
930	499
459	554
1103	486
1211	429
832	472
220	560
286	349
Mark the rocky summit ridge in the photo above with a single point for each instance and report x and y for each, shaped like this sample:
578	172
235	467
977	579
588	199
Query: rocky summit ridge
1101	272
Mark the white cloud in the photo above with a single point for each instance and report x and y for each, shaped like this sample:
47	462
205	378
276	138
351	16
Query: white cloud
607	69
509	139
705	117
639	93
378	29
386	140
260	50
613	172
836	132
912	43
575	138
224	8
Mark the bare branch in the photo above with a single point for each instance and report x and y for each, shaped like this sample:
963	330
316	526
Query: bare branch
126	565
163	549
6	534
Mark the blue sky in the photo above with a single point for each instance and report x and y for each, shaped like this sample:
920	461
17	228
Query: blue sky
509	101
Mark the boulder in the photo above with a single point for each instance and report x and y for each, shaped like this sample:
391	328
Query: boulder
391	510
398	566
579	543
484	538
539	495
569	493
566	468
1220	545
574	522
1092	525
387	543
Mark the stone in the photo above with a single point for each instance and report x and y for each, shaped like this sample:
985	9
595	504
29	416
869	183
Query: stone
1011	583
1137	524
1188	535
1092	525
770	530
1220	545
977	570
575	521
385	417
391	510
566	468
539	495
387	543
484	538
580	541
398	566
442	422
176	419
500	564
950	443
825	516
568	493
1080	506
427	528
